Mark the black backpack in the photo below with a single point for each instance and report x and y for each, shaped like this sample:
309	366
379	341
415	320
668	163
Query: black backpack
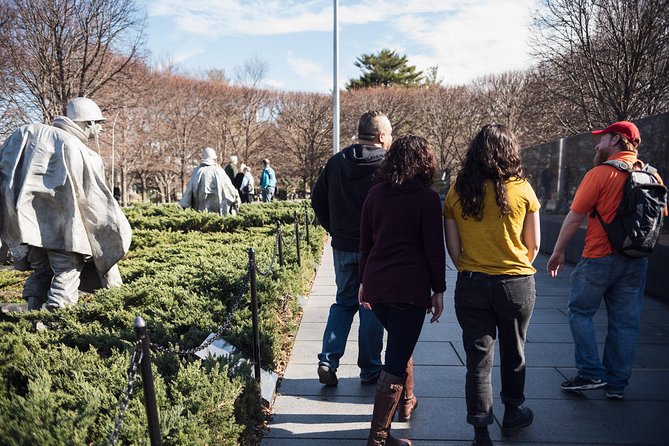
635	229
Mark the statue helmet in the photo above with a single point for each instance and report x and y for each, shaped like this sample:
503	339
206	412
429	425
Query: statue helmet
84	110
209	154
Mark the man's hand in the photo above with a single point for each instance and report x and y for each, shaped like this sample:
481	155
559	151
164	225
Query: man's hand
361	301
569	227
555	263
437	307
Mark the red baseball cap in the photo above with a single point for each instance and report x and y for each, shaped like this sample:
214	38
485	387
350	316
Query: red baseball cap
625	128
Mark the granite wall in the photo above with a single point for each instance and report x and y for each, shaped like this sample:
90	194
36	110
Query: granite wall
556	169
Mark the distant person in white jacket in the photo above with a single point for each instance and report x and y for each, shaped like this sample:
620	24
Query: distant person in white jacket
210	188
58	214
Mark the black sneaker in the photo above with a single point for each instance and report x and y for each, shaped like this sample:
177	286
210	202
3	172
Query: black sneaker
615	394
515	420
580	383
326	375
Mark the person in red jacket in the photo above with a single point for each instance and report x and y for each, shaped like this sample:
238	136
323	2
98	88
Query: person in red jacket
402	271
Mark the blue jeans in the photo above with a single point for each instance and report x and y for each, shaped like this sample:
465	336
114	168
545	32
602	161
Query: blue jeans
619	281
267	194
487	307
370	334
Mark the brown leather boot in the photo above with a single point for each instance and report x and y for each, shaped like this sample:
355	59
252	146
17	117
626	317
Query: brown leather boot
388	393
408	402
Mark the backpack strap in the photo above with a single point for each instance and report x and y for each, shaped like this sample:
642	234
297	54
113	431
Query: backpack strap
620	165
650	169
623	167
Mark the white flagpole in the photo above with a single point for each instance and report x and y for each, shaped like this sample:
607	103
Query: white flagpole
335	76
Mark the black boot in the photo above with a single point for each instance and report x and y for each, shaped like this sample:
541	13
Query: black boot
515	418
481	436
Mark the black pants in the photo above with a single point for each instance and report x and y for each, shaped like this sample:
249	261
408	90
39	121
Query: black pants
403	322
488	305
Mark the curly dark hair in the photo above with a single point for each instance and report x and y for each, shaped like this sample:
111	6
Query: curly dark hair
408	157
493	155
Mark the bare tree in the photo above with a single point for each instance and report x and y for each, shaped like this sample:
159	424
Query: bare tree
219	118
137	147
432	76
183	103
60	49
303	130
609	59
546	115
14	111
251	114
503	98
399	103
217	75
251	72
447	118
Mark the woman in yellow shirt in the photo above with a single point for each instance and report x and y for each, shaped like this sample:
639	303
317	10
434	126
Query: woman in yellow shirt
491	217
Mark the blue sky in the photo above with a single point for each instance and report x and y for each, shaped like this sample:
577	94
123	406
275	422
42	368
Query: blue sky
464	38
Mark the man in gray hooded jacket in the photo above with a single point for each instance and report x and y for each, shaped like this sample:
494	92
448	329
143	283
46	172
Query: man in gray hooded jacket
57	212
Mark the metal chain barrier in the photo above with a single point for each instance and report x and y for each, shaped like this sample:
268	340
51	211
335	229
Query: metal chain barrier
313	219
219	333
289	240
135	360
252	268
271	263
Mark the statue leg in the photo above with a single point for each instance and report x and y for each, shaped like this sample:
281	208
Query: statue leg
112	278
66	267
37	284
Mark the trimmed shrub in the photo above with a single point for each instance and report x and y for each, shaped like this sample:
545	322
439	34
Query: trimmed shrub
186	275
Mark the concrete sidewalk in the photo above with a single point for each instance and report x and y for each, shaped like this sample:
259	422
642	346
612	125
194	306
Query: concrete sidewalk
307	413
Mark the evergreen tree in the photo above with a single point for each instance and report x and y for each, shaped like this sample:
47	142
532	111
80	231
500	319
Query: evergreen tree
384	69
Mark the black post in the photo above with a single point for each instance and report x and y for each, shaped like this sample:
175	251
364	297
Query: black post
297	240
142	336
280	242
306	223
254	313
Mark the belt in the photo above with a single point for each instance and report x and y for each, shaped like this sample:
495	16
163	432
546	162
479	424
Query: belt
473	274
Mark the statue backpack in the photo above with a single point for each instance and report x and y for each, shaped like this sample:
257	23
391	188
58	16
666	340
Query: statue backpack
635	228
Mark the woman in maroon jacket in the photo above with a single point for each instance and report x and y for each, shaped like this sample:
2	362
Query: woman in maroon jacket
402	271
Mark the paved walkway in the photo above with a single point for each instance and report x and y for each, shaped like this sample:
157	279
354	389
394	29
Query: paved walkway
307	413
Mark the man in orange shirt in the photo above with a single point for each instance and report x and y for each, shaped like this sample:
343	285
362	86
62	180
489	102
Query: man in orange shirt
603	273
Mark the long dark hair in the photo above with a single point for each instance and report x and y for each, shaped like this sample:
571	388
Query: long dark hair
409	157
493	155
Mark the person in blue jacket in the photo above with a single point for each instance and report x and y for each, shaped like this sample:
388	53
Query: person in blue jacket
267	181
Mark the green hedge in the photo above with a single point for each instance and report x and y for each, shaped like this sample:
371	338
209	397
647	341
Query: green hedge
183	275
